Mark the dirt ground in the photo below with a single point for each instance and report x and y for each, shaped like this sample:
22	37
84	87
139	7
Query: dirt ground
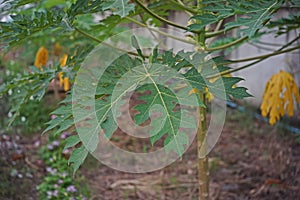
21	170
250	161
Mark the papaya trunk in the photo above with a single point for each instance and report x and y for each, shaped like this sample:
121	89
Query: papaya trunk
203	168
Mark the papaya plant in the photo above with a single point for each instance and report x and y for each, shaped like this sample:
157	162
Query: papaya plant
164	79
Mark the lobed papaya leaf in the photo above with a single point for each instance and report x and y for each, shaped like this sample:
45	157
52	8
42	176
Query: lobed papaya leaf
251	16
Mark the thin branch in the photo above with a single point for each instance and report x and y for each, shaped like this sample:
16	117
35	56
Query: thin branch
261	58
270	44
215	33
160	32
278	51
227	45
159	41
219	25
159	17
240	68
289	43
109	45
260	47
181	5
187	12
88	35
266	55
216	29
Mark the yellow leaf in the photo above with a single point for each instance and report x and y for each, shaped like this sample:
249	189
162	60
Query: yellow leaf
209	96
280	93
41	57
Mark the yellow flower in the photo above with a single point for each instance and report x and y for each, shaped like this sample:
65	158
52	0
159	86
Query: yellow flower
66	84
63	60
41	57
63	81
280	93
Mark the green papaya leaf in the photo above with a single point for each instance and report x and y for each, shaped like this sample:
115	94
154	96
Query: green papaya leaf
77	157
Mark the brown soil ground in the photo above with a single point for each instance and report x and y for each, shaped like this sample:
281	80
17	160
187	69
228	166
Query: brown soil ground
250	161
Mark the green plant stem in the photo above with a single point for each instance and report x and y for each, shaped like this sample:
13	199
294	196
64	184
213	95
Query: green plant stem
109	45
227	45
260	58
218	26
253	63
160	32
215	33
187	12
269	44
151	32
289	43
207	35
203	170
260	47
159	17
181	5
277	52
88	35
218	32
